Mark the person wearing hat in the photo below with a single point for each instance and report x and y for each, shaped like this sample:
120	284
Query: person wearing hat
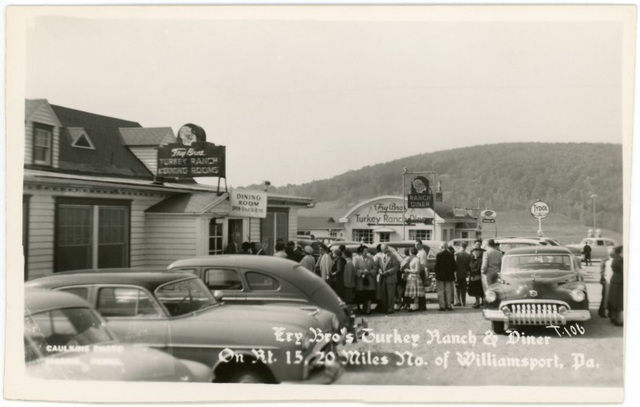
491	263
475	276
445	271
308	261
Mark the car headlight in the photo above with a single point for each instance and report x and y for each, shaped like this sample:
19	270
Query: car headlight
577	295
335	322
490	296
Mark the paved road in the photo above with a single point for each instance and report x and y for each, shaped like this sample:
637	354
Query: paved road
457	347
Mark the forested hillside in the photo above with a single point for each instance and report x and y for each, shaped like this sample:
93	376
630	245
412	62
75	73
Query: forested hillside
501	177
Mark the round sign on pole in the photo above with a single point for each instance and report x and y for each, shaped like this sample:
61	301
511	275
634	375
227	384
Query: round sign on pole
539	209
488	213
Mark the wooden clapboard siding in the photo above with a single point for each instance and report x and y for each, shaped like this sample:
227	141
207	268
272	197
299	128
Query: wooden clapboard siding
42	226
138	232
170	238
254	229
148	156
41	235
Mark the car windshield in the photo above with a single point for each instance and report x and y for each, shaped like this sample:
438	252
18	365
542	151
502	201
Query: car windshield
515	264
185	296
58	330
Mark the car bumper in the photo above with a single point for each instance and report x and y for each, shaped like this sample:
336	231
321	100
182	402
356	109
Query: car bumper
537	319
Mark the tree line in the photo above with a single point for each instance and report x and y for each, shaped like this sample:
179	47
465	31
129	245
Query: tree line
509	176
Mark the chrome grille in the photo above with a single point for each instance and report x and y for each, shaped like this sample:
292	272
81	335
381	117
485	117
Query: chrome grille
535	314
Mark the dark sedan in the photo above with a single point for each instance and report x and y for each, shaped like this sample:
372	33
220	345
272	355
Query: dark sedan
246	279
538	285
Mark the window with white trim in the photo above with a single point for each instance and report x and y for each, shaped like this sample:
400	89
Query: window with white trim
42	141
215	236
385	237
91	234
419	234
362	235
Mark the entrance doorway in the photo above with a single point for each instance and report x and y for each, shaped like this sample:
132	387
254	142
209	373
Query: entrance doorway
234	236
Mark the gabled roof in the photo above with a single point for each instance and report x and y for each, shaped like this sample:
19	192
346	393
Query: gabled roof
196	203
110	156
318	222
32	106
147	136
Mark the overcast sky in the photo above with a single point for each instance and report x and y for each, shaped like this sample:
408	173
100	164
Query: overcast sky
306	93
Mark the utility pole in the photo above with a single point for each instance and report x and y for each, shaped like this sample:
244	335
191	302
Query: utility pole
593	197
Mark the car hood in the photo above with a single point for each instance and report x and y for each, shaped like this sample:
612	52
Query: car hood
117	362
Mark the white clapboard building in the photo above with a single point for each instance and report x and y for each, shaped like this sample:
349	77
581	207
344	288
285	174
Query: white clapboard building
91	200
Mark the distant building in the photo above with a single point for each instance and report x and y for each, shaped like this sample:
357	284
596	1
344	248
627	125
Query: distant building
385	219
90	199
321	227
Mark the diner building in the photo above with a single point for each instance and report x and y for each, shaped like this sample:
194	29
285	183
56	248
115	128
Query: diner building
387	219
91	199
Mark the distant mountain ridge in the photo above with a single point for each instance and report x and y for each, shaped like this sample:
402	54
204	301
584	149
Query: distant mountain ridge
500	176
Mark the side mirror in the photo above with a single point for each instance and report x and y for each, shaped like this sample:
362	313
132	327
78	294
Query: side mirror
217	295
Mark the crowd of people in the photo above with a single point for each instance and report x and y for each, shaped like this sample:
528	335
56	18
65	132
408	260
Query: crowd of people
386	282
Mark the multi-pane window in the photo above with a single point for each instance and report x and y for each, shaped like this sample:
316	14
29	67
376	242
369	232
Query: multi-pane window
42	140
362	235
385	237
333	234
215	237
419	234
91	235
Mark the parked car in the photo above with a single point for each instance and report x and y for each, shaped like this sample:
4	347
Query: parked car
510	242
538	285
245	279
65	339
600	246
176	312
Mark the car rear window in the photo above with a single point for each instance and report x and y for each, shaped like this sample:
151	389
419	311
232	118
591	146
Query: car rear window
125	302
222	279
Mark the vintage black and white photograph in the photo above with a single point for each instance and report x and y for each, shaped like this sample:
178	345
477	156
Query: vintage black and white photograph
404	203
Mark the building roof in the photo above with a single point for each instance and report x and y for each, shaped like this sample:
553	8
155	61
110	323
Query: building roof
147	136
317	222
196	203
110	156
443	210
63	179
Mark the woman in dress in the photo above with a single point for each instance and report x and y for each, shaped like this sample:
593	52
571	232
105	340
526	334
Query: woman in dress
349	278
414	289
475	277
365	280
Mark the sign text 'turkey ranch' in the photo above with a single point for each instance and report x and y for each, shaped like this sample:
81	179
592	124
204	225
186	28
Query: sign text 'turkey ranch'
197	160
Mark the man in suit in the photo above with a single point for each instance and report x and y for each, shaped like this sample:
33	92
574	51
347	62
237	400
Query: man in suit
388	279
445	270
